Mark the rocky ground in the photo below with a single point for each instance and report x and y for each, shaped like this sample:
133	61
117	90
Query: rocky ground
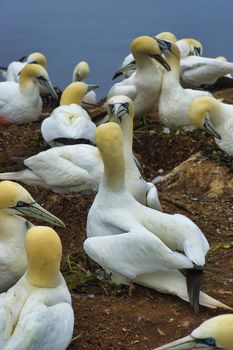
109	317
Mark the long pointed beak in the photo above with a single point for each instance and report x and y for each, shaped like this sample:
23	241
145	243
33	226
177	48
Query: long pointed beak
164	45
210	129
159	58
36	211
185	343
129	67
118	72
22	59
49	87
91	87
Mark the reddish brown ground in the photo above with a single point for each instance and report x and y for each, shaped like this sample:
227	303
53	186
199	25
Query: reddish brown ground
107	317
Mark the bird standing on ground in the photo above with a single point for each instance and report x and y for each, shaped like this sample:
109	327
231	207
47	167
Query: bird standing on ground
174	101
121	110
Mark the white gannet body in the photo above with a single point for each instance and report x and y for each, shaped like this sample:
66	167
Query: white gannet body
224	59
215	333
138	243
174	100
81	71
12	72
217	118
21	102
197	71
80	168
36	312
16	202
64	169
143	87
69	123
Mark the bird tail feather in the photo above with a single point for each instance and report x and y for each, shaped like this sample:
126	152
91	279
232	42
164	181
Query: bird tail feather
173	282
25	176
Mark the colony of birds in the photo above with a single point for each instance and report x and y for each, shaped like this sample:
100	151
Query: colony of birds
128	234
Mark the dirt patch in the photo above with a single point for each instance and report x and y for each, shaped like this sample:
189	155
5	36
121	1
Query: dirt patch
106	316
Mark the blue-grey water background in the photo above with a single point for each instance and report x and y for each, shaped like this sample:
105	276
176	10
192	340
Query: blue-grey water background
100	31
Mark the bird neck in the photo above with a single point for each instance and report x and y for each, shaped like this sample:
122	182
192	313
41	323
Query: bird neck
71	97
143	61
42	277
127	132
29	88
174	63
218	112
114	171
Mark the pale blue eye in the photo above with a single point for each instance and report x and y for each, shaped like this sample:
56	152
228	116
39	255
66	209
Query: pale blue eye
210	341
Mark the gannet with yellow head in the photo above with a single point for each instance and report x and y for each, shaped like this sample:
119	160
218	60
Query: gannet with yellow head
141	244
21	102
15	203
174	100
189	47
12	72
215	333
70	123
143	87
216	118
36	312
121	110
80	73
128	66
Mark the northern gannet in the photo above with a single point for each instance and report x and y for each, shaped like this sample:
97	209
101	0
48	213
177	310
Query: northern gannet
215	333
188	47
199	71
143	87
12	72
36	313
80	168
137	243
121	110
69	123
174	100
21	102
81	71
128	66
216	118
15	203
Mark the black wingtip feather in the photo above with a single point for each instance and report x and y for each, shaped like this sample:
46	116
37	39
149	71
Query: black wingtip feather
193	281
117	74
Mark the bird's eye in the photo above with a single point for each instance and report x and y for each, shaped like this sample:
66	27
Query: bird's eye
21	204
111	107
41	78
125	106
210	341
